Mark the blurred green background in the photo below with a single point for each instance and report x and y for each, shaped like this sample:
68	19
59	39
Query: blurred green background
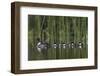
57	29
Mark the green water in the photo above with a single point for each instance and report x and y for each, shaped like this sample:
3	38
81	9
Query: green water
57	29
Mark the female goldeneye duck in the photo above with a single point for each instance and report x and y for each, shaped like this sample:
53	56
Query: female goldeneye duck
41	45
